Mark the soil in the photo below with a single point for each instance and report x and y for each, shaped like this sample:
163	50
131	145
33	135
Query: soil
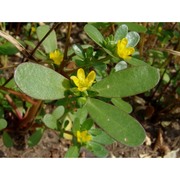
162	127
160	142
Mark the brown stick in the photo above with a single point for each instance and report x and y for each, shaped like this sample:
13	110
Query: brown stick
19	94
40	42
63	63
31	114
10	101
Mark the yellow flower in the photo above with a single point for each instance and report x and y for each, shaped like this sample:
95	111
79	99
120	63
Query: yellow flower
122	50
56	56
159	29
82	82
33	29
83	137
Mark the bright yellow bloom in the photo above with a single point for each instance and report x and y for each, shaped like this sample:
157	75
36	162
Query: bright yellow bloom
122	50
33	29
56	56
83	137
82	82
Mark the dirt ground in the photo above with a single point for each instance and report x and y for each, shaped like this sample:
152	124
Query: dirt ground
162	140
159	143
162	129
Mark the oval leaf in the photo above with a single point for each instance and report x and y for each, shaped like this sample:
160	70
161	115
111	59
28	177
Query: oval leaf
35	137
58	112
73	152
40	82
78	50
128	82
50	121
50	43
120	66
7	140
87	124
137	62
133	38
98	150
94	34
8	49
118	124
3	124
134	27
101	137
121	32
123	105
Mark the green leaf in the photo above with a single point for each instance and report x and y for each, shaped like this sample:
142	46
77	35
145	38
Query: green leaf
98	150
123	105
133	38
58	112
78	51
50	121
8	49
7	140
3	124
87	124
40	82
136	62
94	34
50	43
128	82
38	53
134	27
35	137
100	25
120	66
73	152
166	78
101	137
76	126
118	124
81	114
121	32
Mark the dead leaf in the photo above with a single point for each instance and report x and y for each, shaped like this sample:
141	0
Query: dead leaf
144	156
148	141
172	154
12	40
165	123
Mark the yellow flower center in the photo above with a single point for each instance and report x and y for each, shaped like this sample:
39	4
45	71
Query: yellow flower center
123	51
83	137
56	56
82	82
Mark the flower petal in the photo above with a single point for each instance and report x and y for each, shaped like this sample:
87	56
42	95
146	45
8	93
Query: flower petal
124	42
81	74
90	78
130	50
75	80
56	56
123	51
83	137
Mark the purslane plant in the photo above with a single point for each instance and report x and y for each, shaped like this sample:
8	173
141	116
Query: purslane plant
90	109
